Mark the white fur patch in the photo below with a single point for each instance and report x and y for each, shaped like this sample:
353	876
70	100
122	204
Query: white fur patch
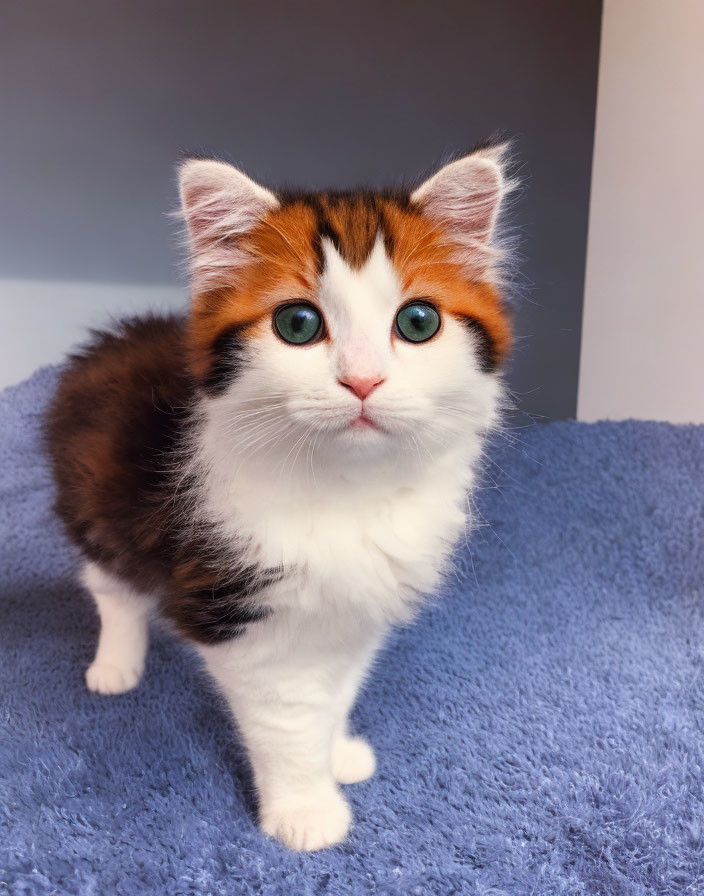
122	647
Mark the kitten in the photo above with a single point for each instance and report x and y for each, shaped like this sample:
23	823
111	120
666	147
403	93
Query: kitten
283	472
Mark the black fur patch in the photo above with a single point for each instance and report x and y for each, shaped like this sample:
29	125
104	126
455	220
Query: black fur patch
486	350
227	355
350	219
116	432
222	612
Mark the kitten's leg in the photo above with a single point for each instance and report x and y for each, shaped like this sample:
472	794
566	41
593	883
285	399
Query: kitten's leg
283	686
124	622
353	759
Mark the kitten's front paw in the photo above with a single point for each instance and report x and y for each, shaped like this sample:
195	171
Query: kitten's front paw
309	822
353	760
104	679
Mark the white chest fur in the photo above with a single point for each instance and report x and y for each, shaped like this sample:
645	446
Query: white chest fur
370	545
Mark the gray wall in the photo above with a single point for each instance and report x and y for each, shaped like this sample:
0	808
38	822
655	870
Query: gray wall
97	99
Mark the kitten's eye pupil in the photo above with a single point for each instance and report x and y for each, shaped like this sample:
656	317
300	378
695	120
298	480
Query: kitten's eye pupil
417	322
298	324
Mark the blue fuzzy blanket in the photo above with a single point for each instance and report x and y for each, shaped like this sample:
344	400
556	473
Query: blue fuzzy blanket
539	730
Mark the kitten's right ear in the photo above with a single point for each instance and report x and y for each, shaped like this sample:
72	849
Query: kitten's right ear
220	205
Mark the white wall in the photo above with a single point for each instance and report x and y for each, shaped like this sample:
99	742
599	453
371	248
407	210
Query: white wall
643	328
40	321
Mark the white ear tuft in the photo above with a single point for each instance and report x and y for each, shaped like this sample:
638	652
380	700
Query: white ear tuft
220	205
464	199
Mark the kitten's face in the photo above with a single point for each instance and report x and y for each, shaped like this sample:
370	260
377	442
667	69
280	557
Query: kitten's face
347	324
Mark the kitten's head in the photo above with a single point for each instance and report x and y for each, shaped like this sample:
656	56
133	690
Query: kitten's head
360	322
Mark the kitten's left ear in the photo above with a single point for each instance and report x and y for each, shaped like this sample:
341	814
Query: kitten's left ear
221	205
464	198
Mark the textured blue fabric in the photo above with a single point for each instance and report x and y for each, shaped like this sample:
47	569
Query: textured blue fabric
539	730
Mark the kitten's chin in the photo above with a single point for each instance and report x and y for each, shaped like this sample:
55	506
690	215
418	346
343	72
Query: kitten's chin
364	439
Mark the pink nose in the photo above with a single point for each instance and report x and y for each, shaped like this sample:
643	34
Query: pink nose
362	386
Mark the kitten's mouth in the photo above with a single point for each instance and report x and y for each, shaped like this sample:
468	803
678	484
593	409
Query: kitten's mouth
364	422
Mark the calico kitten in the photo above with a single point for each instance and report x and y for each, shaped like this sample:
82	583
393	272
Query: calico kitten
282	473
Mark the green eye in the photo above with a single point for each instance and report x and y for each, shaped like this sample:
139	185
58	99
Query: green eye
298	324
417	322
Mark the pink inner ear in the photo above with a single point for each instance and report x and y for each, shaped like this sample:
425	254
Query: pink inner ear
464	197
469	203
220	206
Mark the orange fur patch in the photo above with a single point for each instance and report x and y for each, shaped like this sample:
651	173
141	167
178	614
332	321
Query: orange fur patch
285	264
424	260
283	267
